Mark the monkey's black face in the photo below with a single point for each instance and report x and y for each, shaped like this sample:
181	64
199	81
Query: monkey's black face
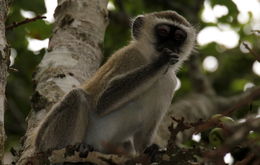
169	36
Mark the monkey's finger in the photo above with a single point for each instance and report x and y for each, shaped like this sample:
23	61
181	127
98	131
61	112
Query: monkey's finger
84	149
167	51
83	154
90	148
77	147
69	150
174	55
173	61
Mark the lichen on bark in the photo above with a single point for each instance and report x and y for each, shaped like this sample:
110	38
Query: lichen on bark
4	60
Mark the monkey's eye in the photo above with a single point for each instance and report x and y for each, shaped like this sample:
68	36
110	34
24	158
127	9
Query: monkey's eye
180	35
163	30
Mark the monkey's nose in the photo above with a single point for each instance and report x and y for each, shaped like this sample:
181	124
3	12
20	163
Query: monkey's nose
180	36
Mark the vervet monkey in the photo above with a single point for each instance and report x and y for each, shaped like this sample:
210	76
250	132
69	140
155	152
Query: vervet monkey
121	106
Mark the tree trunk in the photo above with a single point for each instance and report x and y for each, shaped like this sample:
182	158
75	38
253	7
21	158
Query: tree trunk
4	58
74	54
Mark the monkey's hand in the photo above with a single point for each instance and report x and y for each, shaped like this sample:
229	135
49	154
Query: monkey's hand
65	124
168	56
124	88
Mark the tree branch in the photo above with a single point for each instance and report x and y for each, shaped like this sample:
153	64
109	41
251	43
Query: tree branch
196	106
57	156
4	59
74	52
27	20
231	104
238	135
257	57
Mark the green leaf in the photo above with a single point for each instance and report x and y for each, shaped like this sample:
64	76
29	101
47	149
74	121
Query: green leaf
38	29
36	6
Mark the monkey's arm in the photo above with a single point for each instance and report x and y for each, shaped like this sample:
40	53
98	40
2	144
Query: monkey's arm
124	88
65	124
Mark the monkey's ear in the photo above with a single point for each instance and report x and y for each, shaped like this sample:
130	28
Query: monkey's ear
136	26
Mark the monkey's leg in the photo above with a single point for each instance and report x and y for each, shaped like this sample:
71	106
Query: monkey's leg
124	88
65	124
142	142
143	138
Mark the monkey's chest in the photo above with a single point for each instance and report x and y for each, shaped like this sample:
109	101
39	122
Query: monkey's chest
143	112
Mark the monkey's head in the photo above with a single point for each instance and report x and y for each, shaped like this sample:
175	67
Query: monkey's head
166	29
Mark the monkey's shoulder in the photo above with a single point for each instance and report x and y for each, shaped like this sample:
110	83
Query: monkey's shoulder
121	62
128	58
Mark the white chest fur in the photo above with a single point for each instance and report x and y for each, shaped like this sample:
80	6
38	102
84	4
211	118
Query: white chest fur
139	116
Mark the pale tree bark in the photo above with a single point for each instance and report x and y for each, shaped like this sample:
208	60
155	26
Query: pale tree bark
74	54
4	59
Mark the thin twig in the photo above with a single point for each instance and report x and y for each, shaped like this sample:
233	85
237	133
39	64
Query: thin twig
252	52
27	20
10	69
256	31
247	98
252	94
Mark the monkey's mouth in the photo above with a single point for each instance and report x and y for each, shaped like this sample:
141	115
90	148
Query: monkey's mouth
174	49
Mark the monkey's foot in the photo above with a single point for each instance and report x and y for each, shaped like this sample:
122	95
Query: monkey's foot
152	151
82	148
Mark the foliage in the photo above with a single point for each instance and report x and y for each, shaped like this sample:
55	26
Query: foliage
20	85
